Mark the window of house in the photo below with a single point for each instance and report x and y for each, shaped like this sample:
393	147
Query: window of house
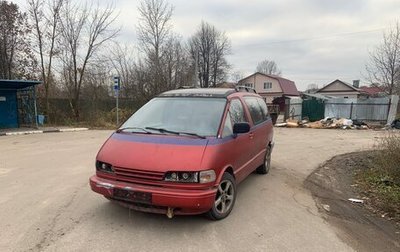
250	85
267	85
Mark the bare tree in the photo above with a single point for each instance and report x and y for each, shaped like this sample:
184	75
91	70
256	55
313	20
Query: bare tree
123	62
84	30
16	58
237	76
268	67
154	32
384	65
45	16
209	48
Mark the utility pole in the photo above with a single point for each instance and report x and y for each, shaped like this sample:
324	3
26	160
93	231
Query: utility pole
117	87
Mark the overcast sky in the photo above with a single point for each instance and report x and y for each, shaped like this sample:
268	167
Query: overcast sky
312	41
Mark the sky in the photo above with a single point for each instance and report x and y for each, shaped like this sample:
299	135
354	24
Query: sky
312	41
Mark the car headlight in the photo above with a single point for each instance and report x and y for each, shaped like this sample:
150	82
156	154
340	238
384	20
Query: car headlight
104	167
207	176
191	177
185	177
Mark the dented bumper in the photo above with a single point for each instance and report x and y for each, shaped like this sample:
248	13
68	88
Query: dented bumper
155	199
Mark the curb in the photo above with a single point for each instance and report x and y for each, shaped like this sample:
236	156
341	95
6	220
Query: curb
28	132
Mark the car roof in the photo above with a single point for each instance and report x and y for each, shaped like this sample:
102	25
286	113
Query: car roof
206	92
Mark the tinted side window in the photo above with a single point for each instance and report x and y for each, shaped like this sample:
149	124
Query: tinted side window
255	109
236	111
264	108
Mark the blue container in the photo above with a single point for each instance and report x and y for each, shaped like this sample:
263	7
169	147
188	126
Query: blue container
40	119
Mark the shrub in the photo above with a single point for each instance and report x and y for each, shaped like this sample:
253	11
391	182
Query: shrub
387	158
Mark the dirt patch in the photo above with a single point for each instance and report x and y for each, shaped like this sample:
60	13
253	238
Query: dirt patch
332	185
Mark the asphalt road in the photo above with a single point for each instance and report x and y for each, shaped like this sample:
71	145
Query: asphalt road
46	203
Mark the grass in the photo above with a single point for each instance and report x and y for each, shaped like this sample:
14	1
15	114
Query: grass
380	182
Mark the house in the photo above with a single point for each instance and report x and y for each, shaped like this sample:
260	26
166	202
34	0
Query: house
270	86
341	89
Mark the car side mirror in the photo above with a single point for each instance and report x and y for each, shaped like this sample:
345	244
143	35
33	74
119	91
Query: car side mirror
240	128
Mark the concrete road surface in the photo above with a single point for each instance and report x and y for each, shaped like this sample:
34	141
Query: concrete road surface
46	203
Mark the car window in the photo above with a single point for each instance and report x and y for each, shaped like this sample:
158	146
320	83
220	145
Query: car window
264	108
201	116
236	111
228	129
255	109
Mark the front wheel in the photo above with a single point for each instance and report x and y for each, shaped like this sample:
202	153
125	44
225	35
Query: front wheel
264	168
224	199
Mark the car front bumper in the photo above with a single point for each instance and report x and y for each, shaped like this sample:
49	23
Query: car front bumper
180	200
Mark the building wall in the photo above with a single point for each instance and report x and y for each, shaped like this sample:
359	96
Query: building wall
258	84
270	97
8	109
337	86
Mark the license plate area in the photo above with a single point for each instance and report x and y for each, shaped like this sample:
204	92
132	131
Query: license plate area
133	196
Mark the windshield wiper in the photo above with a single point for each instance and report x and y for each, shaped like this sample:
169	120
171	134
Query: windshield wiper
162	130
133	128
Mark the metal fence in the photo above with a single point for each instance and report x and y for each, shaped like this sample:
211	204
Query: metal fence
293	109
372	109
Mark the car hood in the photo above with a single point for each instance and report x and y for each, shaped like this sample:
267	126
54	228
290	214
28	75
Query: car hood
153	152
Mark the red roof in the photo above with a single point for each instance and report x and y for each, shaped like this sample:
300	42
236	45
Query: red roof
371	90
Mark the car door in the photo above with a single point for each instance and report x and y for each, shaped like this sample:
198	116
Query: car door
238	149
258	130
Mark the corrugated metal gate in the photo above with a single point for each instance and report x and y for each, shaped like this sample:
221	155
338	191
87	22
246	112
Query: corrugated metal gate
314	109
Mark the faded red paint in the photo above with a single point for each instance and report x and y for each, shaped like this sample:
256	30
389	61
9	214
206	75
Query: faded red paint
157	154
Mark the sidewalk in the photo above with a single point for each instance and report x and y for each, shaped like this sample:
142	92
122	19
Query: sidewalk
26	131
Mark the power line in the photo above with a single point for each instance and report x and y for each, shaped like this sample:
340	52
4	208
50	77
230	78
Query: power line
315	38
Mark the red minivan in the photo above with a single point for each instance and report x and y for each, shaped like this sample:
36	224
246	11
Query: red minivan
185	151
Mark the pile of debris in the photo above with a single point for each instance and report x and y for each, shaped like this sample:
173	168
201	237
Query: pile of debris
326	123
395	124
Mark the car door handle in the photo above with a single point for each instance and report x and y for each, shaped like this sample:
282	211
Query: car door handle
251	135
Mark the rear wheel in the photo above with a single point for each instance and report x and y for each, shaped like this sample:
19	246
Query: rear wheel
224	199
264	168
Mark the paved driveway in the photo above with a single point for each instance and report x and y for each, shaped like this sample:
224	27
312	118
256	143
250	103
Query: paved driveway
46	202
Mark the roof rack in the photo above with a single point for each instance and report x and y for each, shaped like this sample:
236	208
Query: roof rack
243	88
185	87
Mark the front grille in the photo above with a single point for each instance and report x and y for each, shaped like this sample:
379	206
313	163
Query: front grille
138	176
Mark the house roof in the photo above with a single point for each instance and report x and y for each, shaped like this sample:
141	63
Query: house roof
344	83
17	84
372	90
288	87
318	96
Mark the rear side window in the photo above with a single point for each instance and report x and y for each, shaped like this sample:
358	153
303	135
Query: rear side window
255	109
258	109
264	108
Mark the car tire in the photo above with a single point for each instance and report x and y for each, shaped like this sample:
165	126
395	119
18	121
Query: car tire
264	168
224	199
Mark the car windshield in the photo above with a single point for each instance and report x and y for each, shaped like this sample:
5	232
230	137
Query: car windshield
179	115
